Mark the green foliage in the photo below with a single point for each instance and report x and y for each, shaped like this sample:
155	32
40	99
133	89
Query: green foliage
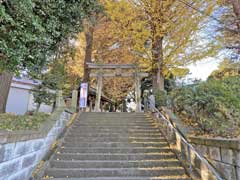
44	93
13	122
31	31
169	83
213	106
160	98
55	79
226	68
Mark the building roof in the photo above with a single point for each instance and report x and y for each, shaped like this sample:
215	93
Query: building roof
26	81
93	91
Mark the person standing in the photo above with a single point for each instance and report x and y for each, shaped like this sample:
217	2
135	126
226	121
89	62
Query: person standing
145	100
151	99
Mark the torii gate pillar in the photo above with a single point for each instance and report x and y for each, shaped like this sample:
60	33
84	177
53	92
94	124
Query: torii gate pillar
138	93
99	92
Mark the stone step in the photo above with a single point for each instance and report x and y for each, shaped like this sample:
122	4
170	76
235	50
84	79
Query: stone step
113	150
102	114
100	124
111	139
114	144
116	164
114	157
108	134
114	119
114	172
111	117
113	122
114	114
97	131
113	128
126	178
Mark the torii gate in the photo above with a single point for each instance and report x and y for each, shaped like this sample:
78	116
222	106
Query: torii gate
118	73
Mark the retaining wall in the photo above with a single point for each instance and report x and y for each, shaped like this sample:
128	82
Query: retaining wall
223	154
21	151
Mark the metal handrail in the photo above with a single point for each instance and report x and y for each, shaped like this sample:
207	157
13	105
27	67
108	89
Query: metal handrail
190	147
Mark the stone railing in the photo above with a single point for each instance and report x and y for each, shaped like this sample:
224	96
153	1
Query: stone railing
222	154
195	164
21	151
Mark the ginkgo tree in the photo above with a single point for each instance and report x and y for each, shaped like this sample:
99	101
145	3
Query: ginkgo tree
110	49
226	68
163	35
160	36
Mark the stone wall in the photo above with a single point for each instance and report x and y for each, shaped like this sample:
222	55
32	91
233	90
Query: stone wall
195	164
223	154
21	151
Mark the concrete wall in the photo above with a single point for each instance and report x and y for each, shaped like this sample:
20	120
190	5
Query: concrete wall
20	99
224	154
20	152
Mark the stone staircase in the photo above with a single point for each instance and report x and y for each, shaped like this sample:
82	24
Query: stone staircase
114	146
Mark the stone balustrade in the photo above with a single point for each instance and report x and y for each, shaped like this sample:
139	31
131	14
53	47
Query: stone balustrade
222	154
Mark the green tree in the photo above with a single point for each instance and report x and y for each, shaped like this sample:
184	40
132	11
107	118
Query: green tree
212	107
43	95
52	81
31	31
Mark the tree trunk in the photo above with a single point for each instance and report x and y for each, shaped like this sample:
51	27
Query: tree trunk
38	107
88	52
88	57
5	83
236	8
157	54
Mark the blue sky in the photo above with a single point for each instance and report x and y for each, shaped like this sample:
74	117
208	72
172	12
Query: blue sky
203	68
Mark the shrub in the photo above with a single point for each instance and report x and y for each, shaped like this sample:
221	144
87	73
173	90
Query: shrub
160	98
213	106
13	122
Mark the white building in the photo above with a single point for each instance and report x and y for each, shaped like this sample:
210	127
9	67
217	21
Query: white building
20	98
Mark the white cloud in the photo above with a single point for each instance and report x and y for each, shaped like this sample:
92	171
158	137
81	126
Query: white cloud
202	69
